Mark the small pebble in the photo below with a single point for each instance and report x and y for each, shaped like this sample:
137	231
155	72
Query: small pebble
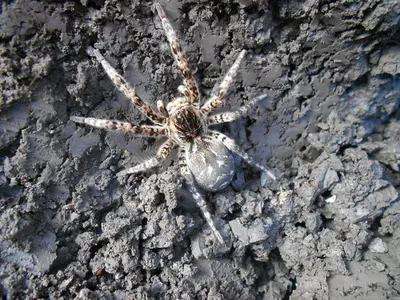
378	246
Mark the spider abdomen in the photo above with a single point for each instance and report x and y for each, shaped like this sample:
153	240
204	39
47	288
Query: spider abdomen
211	164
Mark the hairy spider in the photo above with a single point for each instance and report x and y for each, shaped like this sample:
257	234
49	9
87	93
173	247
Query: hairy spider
204	155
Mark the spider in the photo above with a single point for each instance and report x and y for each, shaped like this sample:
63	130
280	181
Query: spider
204	155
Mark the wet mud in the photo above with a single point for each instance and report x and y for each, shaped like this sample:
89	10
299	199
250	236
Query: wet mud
328	228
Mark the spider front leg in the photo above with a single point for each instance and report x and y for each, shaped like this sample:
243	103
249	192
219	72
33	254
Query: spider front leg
145	130
216	101
201	203
123	86
191	91
231	145
162	154
234	115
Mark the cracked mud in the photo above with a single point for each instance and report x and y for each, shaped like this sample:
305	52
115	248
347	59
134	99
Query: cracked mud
330	130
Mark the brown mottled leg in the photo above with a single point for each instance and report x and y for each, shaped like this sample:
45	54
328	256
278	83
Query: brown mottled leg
162	154
189	81
123	86
144	130
216	101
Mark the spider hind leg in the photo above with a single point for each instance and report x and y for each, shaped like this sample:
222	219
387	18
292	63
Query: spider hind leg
162	154
201	203
232	146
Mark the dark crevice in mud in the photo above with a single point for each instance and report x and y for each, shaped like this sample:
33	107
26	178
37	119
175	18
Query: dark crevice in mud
310	154
275	5
344	147
393	177
143	222
393	38
97	4
327	194
154	272
289	291
300	224
361	81
320	200
326	222
67	252
376	224
235	213
220	10
292	68
301	100
96	247
11	148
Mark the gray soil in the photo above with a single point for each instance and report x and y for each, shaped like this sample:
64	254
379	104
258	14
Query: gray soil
327	229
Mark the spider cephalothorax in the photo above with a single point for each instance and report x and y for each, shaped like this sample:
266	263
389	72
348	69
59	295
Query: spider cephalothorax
205	157
185	123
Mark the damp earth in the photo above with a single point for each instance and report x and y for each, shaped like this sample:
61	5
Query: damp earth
328	228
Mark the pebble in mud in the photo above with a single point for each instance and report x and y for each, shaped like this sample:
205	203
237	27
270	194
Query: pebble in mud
378	246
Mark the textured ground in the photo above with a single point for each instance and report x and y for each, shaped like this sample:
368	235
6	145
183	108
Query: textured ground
330	130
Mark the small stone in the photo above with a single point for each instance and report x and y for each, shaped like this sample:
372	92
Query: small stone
380	266
239	230
331	199
253	234
323	126
378	246
349	250
330	179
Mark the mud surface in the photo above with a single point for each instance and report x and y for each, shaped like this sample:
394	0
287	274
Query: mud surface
329	228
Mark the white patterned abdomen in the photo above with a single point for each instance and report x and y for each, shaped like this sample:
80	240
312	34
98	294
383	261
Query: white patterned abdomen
211	164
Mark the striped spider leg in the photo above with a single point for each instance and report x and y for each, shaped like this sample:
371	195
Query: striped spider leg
233	147
144	130
230	116
216	101
190	89
124	87
198	197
